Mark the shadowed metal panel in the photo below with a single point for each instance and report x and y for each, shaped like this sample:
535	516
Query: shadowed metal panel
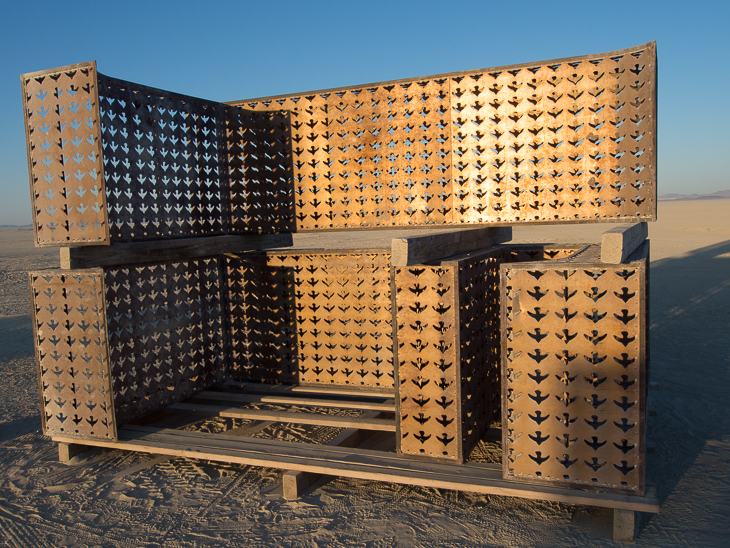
260	180
166	333
164	158
136	338
573	358
479	343
111	161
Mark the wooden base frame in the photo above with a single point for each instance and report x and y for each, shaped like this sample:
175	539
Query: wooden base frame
307	463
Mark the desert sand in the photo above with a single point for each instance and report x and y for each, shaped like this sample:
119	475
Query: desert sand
112	498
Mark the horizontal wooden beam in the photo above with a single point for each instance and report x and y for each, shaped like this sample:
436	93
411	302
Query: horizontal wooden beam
322	390
422	249
292	400
292	417
620	242
358	463
167	250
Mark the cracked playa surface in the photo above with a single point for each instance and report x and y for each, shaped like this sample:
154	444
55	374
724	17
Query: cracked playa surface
112	498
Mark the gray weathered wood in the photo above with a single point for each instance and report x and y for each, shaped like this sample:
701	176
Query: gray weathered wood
67	451
421	249
167	250
624	525
296	483
620	242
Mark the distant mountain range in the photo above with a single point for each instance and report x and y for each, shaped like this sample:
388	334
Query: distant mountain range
720	195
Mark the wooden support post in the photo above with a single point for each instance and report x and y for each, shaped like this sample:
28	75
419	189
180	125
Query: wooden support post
67	451
624	525
167	250
421	249
620	242
296	483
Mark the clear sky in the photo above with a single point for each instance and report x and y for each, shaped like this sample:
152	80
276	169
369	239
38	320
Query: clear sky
232	50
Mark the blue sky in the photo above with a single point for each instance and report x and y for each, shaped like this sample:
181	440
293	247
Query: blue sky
235	50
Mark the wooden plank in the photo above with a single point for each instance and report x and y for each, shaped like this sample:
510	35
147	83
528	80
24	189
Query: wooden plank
421	249
292	400
296	483
258	388
624	525
620	242
287	416
167	250
359	463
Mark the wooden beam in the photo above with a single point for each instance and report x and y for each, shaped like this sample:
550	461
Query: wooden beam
67	451
296	483
291	400
624	525
358	463
620	242
167	250
322	390
287	416
421	249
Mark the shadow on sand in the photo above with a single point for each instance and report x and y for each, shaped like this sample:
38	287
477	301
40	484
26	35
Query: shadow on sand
689	342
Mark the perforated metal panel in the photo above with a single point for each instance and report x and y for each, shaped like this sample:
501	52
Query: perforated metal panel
72	354
115	344
149	164
164	160
479	344
571	140
573	355
448	354
166	333
428	368
261	187
63	137
312	317
566	140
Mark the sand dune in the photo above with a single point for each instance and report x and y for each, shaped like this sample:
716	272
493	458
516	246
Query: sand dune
111	498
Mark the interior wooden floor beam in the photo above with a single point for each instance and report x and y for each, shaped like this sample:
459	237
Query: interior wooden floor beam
322	390
293	400
293	417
